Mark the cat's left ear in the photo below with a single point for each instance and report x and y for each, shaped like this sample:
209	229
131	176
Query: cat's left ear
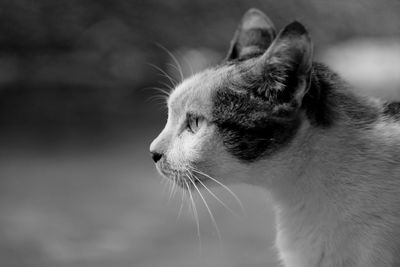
253	36
284	70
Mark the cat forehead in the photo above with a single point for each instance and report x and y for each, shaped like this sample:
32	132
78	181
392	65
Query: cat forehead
195	93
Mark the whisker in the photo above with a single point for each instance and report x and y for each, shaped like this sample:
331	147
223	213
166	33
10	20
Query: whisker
195	214
175	187
173	182
165	182
212	194
224	186
173	58
190	65
161	90
171	185
168	86
165	74
177	69
183	196
209	210
159	99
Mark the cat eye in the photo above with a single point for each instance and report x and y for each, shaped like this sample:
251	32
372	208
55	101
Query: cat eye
193	123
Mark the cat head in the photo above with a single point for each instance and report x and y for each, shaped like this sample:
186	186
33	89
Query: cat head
226	119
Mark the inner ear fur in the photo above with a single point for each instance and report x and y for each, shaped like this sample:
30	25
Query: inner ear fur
253	36
284	70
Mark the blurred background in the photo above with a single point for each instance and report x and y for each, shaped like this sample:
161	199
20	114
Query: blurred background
77	114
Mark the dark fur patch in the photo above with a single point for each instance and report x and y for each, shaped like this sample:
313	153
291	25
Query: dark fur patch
254	125
316	101
392	110
329	99
260	115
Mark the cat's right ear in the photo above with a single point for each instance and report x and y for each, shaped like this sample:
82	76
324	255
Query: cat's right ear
253	36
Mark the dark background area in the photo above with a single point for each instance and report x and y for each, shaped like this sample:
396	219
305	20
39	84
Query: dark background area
77	114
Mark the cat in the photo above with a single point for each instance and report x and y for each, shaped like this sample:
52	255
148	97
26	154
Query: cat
270	116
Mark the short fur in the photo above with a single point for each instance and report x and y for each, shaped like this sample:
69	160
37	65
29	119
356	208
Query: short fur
275	119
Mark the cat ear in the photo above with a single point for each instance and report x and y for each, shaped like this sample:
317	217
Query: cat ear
285	68
253	36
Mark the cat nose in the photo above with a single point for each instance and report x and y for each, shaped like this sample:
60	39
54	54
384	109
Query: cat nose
156	156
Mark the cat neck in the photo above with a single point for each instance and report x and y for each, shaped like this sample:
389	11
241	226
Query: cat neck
330	174
330	151
325	197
